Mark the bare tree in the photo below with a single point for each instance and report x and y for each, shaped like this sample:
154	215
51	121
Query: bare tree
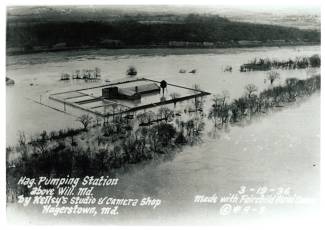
224	97
77	73
153	135
85	120
196	87
22	139
142	117
174	96
219	108
291	85
41	144
114	107
272	76
250	89
214	115
116	151
151	116
98	120
97	72
197	104
131	71
165	113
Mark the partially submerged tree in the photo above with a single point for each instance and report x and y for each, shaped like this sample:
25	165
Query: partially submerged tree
151	116
166	133
197	87
78	74
197	103
314	61
41	143
165	113
131	71
114	107
250	89
97	72
142	117
22	139
98	120
174	96
272	76
291	86
220	108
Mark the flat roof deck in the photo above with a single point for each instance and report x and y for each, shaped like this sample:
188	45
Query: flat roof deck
90	99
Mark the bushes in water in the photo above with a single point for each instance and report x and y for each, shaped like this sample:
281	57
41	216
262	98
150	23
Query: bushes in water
252	103
314	61
267	64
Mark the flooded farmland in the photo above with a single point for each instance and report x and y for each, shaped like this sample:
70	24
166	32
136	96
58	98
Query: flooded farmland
278	150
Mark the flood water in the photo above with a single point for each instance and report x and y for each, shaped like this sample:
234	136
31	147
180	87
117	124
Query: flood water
280	149
44	70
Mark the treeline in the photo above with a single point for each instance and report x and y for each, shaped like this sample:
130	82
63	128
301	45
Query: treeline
252	103
128	32
267	64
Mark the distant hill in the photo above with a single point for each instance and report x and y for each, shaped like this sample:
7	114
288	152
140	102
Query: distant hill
302	17
45	28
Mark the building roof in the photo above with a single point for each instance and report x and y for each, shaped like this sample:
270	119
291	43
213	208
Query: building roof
141	88
126	92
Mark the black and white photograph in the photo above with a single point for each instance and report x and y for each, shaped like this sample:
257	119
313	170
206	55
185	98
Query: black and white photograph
162	114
